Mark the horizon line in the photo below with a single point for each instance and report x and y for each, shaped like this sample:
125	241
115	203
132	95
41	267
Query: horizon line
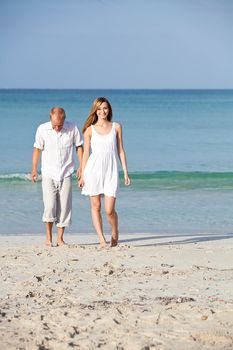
116	89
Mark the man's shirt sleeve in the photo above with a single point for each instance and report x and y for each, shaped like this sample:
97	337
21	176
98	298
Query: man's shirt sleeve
39	140
77	137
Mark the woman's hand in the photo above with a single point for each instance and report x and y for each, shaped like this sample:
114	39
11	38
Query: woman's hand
81	182
127	180
78	173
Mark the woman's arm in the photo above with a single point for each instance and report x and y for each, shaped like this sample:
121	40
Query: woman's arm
86	153
121	153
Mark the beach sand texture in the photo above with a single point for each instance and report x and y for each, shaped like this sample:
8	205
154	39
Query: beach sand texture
150	292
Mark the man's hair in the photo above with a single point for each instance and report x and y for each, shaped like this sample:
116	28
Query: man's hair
59	111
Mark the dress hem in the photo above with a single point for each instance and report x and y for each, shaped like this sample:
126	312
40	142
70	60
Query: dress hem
97	194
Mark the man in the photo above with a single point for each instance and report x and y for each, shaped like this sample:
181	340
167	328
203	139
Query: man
56	140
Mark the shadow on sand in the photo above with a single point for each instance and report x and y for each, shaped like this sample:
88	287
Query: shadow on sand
171	239
174	239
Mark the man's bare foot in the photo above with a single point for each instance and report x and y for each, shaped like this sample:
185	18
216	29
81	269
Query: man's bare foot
48	244
61	243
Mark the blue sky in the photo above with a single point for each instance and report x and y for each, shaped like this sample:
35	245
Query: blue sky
116	44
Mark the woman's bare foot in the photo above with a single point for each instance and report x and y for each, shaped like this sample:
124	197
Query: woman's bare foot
114	240
48	244
103	243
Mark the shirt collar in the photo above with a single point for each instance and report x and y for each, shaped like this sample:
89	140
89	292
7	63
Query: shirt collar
50	127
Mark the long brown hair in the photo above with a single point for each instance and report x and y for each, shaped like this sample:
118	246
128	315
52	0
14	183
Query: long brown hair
92	118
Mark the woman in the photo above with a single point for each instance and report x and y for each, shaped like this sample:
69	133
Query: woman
99	169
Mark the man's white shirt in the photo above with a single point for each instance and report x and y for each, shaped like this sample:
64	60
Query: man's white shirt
57	149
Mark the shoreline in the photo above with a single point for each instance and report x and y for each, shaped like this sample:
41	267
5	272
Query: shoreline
153	291
134	239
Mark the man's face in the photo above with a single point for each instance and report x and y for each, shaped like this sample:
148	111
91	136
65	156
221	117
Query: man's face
57	121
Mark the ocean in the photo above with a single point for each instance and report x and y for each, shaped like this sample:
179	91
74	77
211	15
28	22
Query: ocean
179	149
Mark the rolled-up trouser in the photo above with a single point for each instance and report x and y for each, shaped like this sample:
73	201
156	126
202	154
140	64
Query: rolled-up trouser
57	198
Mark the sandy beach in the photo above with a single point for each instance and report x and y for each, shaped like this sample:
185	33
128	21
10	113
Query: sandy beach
151	292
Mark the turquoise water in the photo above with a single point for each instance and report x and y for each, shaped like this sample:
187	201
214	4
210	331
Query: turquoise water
179	150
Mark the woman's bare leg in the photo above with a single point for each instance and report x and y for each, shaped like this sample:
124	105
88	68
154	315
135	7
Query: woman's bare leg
97	218
112	218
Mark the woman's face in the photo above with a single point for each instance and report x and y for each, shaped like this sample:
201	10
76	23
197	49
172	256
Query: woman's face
102	111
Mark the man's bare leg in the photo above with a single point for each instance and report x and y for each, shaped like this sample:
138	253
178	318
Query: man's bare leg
49	235
60	232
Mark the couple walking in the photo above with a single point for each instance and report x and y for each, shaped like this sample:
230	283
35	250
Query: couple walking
97	173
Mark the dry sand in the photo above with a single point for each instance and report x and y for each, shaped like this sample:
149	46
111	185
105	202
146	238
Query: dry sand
150	292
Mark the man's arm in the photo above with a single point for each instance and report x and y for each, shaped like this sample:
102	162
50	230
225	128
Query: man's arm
79	152
35	161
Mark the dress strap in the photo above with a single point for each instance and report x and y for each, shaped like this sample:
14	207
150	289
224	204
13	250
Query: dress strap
92	131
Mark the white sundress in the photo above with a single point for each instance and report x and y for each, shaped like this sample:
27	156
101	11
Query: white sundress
101	170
